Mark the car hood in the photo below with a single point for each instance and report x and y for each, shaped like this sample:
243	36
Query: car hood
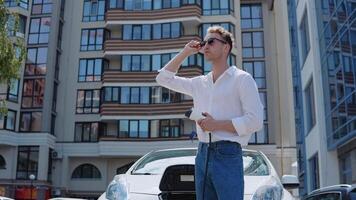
144	184
149	184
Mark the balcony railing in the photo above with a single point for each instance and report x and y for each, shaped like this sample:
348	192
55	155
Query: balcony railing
108	109
116	76
112	45
120	16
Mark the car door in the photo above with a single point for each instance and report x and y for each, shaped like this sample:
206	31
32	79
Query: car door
326	196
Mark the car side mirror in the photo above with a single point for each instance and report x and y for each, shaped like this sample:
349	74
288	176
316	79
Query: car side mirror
290	182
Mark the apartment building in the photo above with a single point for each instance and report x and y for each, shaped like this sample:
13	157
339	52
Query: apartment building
87	102
323	39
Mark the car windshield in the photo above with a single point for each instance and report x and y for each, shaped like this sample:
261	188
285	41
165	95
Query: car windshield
157	162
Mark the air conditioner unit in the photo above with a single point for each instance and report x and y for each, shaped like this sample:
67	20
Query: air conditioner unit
56	192
56	155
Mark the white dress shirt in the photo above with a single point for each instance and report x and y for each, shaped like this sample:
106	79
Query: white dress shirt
234	96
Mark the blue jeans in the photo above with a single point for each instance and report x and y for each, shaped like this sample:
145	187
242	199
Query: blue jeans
225	176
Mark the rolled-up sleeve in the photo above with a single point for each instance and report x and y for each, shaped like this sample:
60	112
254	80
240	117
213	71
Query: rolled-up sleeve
169	80
252	118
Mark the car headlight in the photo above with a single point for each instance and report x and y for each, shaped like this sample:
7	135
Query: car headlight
272	190
117	189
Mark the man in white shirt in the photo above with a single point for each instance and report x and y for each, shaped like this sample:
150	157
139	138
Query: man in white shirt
228	98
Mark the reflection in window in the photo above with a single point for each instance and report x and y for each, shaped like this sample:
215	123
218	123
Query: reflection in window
36	62
88	101
86	132
10	25
251	16
160	31
304	36
310	106
222	7
33	93
41	7
86	171
31	122
13	90
93	10
27	162
14	3
39	30
92	39
8	121
91	69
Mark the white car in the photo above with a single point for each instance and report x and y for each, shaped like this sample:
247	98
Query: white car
5	198
169	174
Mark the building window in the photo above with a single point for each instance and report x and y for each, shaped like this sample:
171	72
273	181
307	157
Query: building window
92	39
41	7
258	70
36	62
252	45
88	101
304	37
135	95
160	31
14	3
86	171
13	90
33	92
27	161
111	94
314	172
10	25
2	162
133	128
31	122
8	121
136	62
222	7
227	26
254	63
39	30
94	10
251	16
170	128
140	95
91	69
310	106
346	168
86	132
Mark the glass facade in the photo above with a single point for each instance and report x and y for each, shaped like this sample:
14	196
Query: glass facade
142	129
140	95
253	59
152	31
337	30
297	96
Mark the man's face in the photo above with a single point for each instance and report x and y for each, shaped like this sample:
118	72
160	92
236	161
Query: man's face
215	47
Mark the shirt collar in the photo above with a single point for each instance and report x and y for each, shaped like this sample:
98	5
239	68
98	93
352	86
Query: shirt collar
229	71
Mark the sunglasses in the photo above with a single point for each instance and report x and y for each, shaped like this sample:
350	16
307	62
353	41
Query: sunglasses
210	41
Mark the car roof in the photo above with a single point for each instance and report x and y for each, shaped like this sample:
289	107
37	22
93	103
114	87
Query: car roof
341	187
194	148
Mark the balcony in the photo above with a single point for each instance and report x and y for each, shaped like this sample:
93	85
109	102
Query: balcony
115	76
118	46
113	109
183	13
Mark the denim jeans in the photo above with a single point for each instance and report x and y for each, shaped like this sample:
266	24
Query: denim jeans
224	179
